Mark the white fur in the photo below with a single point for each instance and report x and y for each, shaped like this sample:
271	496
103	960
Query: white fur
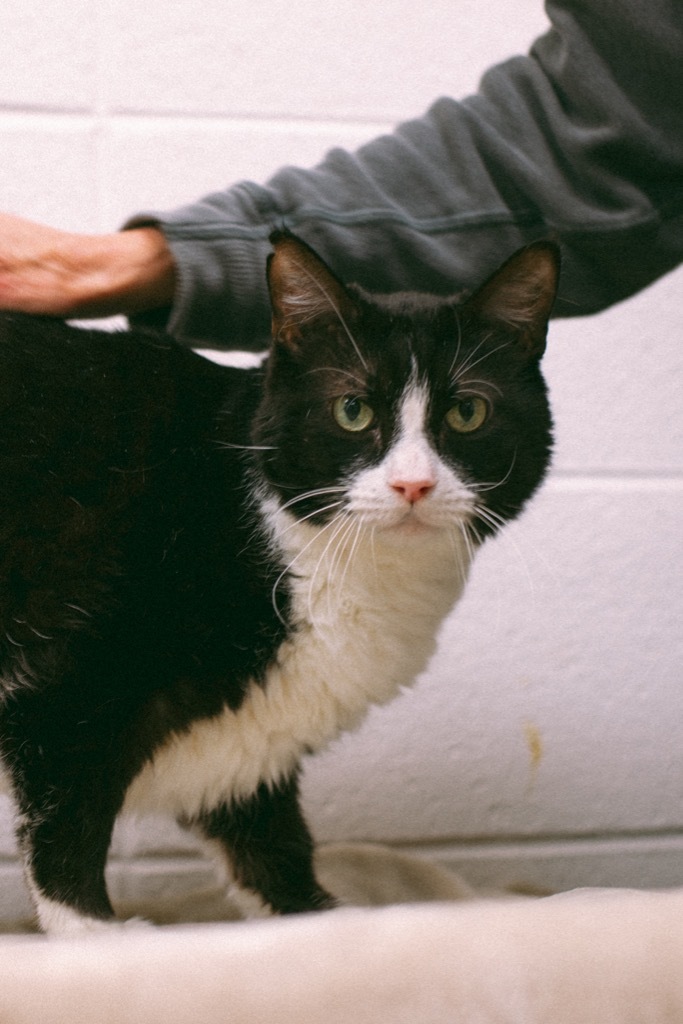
59	919
369	593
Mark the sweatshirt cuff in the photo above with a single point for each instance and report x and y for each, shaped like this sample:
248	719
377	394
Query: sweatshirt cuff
221	295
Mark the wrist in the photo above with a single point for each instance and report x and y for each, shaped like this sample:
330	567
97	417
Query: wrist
127	272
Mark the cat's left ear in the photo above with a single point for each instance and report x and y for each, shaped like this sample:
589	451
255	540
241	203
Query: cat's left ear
521	294
304	293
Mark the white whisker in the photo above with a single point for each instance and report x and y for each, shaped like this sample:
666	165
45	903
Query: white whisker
465	367
487	386
350	556
315	493
474	532
457	551
289	567
465	531
486	486
456	369
490	517
312	515
336	309
373	551
498	522
358	381
339	540
456	354
247	447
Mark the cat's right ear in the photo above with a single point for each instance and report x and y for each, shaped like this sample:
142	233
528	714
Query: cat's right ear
304	293
521	294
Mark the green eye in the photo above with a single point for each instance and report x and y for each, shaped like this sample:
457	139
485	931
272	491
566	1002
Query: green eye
467	414
352	413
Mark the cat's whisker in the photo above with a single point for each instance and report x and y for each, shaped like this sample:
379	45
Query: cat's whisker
336	545
373	551
463	528
290	568
495	520
315	493
339	541
312	515
340	525
486	486
488	516
488	385
358	381
470	366
247	447
273	595
457	369
350	556
474	532
467	366
498	522
471	539
458	346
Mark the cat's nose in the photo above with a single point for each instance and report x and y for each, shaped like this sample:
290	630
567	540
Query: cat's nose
412	490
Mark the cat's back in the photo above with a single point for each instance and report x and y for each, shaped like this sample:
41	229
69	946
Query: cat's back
92	422
41	358
61	385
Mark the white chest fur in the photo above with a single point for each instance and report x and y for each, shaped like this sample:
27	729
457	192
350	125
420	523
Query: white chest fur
368	609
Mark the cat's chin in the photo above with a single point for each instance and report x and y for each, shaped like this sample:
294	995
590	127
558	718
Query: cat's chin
413	526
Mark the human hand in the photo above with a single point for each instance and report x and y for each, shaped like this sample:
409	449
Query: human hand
60	273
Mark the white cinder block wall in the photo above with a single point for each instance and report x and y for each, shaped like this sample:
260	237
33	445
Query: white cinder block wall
545	744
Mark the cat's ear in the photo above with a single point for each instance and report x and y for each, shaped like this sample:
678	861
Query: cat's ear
303	290
521	294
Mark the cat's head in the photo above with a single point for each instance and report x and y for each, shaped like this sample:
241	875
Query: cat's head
409	412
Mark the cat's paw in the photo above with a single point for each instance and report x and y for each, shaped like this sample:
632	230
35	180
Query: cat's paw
58	919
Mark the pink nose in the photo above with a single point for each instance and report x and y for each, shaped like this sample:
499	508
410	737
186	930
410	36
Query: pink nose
412	490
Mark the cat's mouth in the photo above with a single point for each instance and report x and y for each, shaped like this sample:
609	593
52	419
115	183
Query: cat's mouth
412	525
418	520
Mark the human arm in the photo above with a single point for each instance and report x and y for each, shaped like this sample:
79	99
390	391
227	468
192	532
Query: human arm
581	140
61	273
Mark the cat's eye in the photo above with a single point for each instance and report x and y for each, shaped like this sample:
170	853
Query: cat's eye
353	413
467	414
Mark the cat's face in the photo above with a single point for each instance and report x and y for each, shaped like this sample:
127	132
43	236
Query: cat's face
408	413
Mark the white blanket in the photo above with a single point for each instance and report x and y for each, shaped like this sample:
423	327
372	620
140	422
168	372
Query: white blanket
589	957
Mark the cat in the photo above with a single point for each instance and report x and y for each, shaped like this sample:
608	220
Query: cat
207	573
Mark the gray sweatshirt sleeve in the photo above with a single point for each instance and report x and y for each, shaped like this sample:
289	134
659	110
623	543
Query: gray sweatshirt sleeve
581	140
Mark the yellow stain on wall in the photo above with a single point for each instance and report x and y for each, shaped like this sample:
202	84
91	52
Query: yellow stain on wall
534	742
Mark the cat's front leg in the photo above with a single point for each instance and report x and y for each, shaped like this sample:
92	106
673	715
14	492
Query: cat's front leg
64	841
67	796
269	851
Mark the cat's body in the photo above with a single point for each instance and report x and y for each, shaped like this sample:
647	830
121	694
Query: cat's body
206	573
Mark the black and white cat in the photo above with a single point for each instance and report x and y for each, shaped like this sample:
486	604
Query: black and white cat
206	572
